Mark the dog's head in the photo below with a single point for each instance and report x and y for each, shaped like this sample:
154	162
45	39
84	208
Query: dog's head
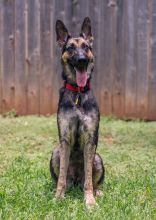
77	56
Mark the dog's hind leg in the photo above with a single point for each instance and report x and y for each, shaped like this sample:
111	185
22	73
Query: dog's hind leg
55	164
98	174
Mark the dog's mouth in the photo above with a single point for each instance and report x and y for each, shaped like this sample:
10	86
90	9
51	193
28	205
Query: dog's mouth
80	68
81	76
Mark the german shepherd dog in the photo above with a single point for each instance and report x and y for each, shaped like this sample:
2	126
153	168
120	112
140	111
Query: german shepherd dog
75	161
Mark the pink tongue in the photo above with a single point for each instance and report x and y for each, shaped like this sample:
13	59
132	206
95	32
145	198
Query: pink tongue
81	78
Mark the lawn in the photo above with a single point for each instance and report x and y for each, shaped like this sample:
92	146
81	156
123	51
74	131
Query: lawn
26	189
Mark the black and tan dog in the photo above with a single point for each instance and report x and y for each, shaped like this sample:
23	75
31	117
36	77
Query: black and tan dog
74	160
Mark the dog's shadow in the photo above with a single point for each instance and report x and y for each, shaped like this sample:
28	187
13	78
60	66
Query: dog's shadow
75	192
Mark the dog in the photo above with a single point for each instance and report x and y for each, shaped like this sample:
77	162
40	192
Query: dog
75	161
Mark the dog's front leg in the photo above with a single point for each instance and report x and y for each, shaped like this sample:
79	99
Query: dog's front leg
89	151
64	162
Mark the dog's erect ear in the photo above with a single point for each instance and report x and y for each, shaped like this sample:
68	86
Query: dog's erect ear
86	31
62	34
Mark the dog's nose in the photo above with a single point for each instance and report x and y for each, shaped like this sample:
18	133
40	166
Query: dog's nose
82	60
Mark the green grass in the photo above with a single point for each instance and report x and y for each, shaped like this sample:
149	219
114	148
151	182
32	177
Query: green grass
26	190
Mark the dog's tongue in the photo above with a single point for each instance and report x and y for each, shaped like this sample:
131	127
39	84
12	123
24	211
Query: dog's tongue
81	78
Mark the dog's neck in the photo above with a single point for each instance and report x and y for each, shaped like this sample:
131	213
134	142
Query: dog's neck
76	88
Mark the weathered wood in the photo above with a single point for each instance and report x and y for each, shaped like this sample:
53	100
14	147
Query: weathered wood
152	74
75	15
124	78
96	31
100	71
8	65
60	12
142	78
131	61
20	75
119	48
1	54
105	79
55	85
46	66
33	59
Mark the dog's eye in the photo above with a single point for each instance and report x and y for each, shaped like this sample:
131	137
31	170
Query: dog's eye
84	46
71	48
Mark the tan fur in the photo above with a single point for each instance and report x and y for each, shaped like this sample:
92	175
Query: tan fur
65	56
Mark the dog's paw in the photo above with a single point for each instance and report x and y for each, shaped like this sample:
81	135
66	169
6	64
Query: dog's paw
98	192
90	201
59	194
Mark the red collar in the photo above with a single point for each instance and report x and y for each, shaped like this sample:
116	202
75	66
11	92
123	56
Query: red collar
77	88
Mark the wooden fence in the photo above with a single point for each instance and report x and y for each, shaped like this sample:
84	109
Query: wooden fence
124	80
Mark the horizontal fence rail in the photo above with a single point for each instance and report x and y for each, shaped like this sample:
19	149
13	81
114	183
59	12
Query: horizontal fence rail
124	78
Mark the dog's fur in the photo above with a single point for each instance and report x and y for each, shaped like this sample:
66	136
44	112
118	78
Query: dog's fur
74	160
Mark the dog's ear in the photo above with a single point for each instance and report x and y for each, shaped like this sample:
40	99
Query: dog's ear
62	34
86	31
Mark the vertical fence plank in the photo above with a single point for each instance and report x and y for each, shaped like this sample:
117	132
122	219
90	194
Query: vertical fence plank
75	15
100	61
54	95
20	76
130	78
68	13
142	80
79	10
119	58
152	74
112	5
96	11
1	54
58	14
46	64
61	10
33	59
105	57
8	67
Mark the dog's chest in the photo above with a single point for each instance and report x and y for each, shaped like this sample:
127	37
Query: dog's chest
77	127
78	124
86	127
